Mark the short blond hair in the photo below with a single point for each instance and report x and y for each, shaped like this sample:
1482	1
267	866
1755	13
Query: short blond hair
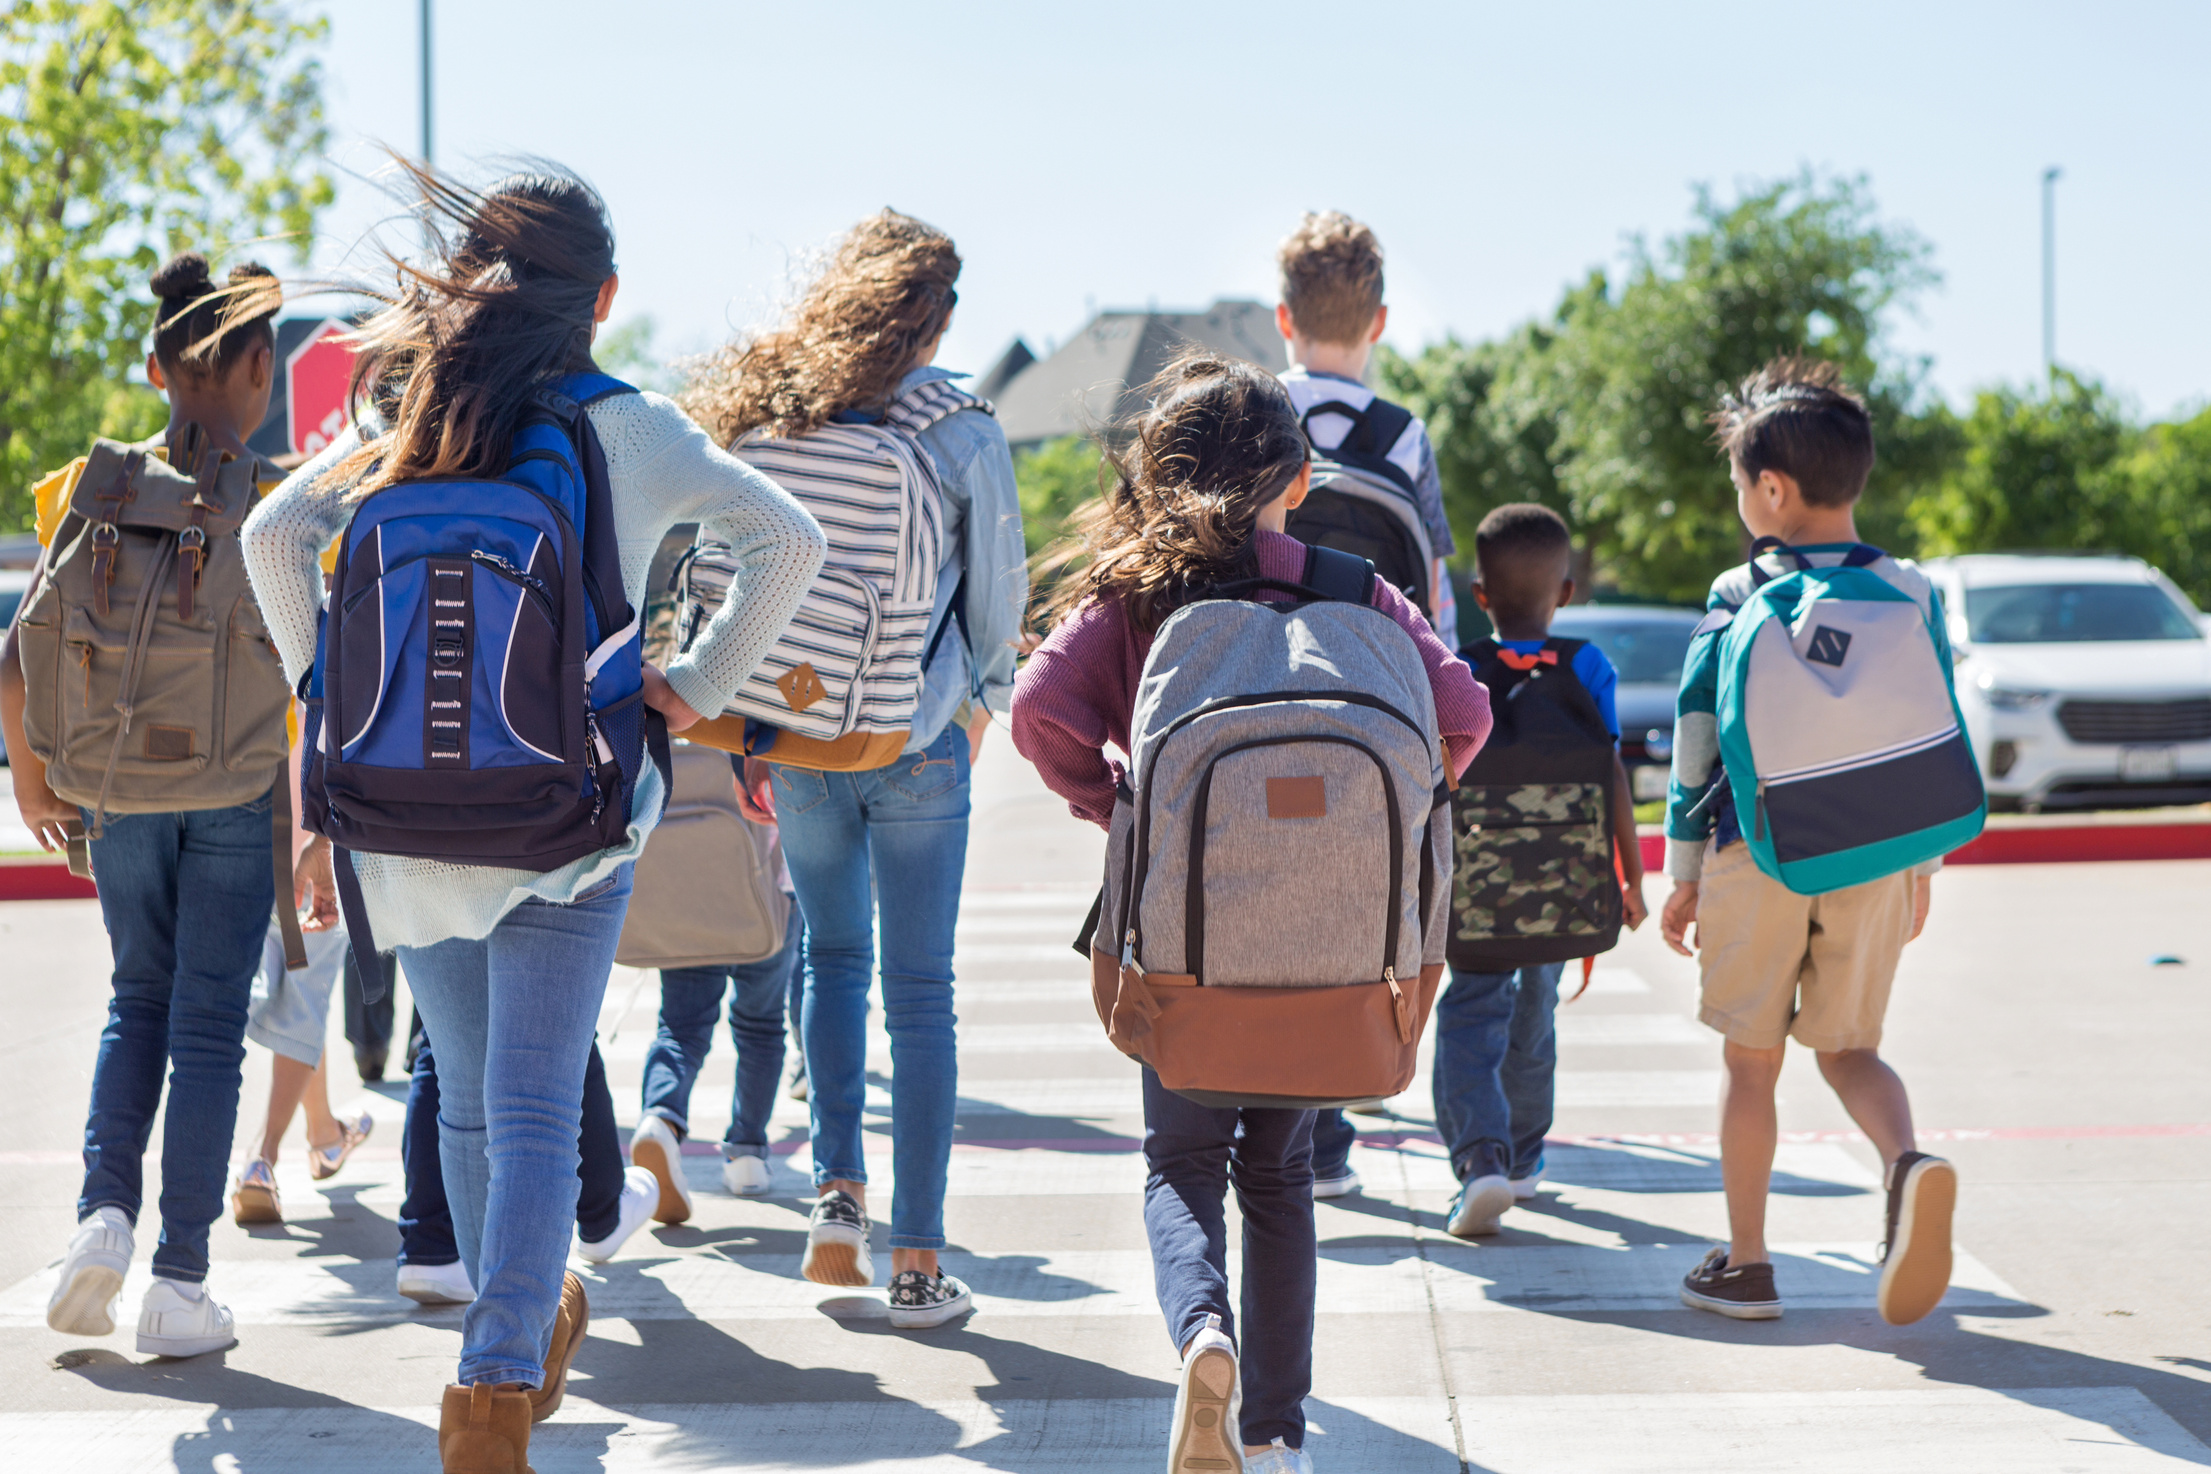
1331	277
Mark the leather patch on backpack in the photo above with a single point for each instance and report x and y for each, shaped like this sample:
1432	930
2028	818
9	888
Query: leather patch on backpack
169	744
1297	798
800	686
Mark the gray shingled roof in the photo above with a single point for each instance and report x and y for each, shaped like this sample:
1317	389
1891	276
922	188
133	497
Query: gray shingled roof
1090	381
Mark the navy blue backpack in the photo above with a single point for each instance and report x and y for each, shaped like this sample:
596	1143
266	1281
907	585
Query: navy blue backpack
477	695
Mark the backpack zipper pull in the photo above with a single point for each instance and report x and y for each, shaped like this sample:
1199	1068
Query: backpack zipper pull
1128	953
1760	835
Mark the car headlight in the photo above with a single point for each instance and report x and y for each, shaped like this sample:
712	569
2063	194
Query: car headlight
2009	698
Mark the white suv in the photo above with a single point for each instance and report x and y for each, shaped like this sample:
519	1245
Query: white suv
2085	679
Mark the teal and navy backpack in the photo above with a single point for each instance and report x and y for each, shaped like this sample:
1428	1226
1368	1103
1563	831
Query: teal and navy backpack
1845	752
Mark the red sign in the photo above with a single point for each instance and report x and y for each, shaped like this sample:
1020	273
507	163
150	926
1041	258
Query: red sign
315	380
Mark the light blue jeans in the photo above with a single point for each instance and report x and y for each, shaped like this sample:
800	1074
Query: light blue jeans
513	1014
894	836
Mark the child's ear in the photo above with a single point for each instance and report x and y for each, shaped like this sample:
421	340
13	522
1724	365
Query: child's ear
154	375
1283	323
1779	489
1565	592
1481	595
1381	321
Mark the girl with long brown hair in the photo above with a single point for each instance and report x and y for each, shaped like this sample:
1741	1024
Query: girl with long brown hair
1195	501
858	348
508	966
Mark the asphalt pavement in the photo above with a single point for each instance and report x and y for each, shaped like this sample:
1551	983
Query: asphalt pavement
2046	1055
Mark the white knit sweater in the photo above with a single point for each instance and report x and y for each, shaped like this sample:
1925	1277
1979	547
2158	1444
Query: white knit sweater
662	470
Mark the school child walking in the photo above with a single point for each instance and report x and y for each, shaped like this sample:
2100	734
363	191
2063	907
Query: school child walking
484	344
187	829
1810	959
1199	500
1548	867
876	843
1376	491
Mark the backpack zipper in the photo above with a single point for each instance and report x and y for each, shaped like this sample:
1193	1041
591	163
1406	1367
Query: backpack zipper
529	582
1759	833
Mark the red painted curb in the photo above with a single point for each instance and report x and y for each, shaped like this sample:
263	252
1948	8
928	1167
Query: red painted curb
36	878
2049	839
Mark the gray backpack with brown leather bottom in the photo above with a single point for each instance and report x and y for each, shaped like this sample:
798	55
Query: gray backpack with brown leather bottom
1278	871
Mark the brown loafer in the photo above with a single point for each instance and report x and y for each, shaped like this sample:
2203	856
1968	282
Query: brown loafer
569	1324
484	1430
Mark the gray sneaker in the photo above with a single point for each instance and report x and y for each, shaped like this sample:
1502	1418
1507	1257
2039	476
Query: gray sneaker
919	1301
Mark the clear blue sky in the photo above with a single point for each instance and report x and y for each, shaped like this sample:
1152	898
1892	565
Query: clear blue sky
1140	152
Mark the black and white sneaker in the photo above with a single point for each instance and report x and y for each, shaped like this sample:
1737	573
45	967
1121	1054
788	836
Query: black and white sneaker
1915	1257
919	1300
837	1242
1738	1291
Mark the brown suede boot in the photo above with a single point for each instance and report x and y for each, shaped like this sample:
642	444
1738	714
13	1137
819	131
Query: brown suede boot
485	1430
569	1324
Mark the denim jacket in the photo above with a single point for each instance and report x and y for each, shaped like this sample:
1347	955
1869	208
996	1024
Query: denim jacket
985	562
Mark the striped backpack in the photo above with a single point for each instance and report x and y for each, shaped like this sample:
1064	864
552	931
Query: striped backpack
837	691
1839	727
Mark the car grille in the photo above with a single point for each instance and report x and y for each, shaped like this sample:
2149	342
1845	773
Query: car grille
2136	721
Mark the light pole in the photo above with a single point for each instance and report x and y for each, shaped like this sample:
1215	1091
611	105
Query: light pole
426	155
2050	268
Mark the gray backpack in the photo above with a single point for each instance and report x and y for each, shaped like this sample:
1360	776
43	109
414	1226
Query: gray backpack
1277	876
708	890
152	685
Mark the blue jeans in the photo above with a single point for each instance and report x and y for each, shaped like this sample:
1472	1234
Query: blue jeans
1496	1068
186	899
1191	1154
894	836
513	1014
760	993
425	1218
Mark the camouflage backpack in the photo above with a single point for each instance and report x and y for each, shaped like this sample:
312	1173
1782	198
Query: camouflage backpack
1534	877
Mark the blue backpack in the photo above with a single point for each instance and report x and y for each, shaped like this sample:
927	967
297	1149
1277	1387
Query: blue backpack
477	695
1839	727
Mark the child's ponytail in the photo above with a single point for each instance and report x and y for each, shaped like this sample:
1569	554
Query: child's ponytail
1219	442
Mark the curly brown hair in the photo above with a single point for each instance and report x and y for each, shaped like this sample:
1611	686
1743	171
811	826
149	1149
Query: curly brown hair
884	294
1178	515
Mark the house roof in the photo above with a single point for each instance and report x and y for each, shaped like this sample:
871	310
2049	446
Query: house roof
1092	379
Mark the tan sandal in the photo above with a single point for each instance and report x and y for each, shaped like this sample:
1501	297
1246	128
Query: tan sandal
324	1161
253	1196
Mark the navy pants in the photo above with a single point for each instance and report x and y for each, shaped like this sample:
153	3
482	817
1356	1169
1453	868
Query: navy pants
1192	1154
425	1219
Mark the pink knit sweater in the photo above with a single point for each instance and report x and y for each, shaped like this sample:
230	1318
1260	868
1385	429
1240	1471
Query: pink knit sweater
1078	691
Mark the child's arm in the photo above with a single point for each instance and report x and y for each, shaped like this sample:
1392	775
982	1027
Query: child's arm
1064	707
1629	846
1462	703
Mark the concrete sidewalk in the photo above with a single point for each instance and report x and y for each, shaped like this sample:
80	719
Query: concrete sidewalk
2046	1056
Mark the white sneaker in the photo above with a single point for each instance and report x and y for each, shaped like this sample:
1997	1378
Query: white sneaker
640	1194
1523	1188
436	1284
747	1177
92	1275
1336	1187
1279	1458
1478	1207
183	1320
795	1083
653	1146
1207	1433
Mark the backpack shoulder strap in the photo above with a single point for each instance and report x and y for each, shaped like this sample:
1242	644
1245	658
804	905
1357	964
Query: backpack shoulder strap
1334	574
930	402
1386	424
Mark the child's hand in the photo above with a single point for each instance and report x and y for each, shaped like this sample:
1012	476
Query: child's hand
1923	900
45	814
1632	905
756	792
1679	914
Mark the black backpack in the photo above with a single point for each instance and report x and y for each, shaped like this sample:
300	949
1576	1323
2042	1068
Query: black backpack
1534	878
1362	502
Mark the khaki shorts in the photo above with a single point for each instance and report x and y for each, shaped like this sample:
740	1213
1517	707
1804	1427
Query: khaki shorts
1778	965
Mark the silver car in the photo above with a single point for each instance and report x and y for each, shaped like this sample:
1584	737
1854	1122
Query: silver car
1646	644
2085	680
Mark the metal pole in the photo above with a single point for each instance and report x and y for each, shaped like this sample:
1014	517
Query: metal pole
426	151
2049	269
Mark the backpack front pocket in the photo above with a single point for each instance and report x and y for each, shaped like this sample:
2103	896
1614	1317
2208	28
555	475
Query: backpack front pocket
108	685
1534	860
815	679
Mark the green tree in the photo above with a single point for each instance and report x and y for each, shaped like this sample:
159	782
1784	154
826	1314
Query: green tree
2169	475
2047	470
1054	479
127	131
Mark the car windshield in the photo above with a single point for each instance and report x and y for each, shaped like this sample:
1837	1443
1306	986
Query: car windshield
1646	652
2049	613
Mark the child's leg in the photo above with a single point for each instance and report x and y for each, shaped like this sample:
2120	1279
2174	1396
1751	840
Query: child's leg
1875	1097
1749	1131
599	1159
1473	1030
1333	1137
1530	1071
323	1127
1186	1149
288	1079
1273	1169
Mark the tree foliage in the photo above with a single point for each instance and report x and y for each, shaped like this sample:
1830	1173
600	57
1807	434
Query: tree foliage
1054	479
128	131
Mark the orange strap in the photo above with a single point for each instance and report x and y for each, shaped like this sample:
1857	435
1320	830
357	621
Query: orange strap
1518	661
